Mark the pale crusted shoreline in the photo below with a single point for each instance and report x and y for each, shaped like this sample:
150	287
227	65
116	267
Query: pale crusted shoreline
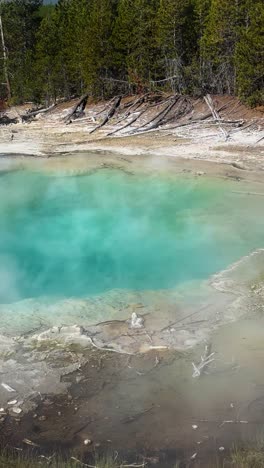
237	138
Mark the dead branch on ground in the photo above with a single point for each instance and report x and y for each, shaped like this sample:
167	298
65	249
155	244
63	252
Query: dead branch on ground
157	119
130	419
31	114
206	359
215	114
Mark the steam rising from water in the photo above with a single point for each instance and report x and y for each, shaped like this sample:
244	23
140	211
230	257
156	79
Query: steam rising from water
76	236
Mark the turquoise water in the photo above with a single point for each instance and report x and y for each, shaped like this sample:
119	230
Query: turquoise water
75	236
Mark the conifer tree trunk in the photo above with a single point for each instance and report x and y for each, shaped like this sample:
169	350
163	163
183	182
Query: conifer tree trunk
5	61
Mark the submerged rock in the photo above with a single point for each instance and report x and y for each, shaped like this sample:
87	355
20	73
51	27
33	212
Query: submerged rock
136	321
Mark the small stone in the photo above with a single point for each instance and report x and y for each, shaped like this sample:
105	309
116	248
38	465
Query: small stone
87	441
153	460
200	173
59	413
221	449
194	426
194	456
42	418
136	321
79	378
35	416
12	402
16	410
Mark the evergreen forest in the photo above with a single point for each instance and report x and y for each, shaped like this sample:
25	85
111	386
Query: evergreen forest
112	47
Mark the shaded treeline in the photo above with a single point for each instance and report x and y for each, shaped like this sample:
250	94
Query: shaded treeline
109	47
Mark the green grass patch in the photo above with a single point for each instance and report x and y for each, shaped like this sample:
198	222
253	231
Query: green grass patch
13	459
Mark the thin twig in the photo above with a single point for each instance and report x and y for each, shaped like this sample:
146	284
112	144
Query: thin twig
206	359
186	317
104	348
130	419
134	465
233	422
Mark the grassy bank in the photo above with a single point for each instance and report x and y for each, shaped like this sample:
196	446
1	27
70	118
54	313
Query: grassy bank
247	458
20	460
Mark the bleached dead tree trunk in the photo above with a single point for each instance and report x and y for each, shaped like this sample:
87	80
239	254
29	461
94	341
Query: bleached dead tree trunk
7	83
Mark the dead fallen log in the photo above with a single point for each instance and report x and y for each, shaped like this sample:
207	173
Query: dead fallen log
133	106
110	114
179	114
128	104
153	99
129	123
5	120
215	114
210	104
194	121
134	102
157	119
31	114
184	107
105	107
136	105
78	109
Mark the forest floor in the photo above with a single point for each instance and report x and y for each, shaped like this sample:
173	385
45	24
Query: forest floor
98	401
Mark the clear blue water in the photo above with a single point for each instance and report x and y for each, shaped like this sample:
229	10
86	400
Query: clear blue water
75	236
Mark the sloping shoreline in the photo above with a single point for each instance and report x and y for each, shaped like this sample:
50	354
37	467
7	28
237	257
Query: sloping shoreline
185	131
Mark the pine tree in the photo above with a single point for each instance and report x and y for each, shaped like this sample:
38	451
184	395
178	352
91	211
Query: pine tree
143	55
48	65
226	21
109	47
202	9
98	50
72	21
249	56
21	20
176	38
122	36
